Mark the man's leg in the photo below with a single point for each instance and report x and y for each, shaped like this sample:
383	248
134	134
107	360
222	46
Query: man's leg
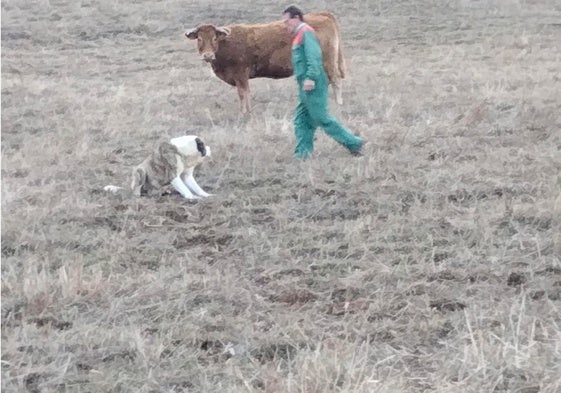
316	105
304	131
340	133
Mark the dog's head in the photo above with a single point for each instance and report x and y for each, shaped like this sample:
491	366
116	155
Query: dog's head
191	146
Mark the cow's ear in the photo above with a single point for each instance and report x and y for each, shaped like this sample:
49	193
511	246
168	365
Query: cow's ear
192	34
222	32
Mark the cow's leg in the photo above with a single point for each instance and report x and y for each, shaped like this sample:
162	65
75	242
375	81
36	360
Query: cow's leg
243	93
336	83
333	71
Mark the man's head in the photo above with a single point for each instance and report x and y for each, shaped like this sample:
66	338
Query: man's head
292	17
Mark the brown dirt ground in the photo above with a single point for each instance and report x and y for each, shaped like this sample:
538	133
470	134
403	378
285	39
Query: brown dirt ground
432	264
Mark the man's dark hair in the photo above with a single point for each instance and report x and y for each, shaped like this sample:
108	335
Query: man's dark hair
294	11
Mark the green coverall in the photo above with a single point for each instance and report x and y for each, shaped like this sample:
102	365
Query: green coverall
311	111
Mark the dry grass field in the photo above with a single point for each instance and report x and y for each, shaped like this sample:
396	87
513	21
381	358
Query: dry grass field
432	264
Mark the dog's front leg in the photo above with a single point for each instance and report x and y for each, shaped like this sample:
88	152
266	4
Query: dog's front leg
193	186
181	188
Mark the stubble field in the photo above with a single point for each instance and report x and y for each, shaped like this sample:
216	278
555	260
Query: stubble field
432	264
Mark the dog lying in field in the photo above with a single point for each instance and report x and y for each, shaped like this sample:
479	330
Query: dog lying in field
172	163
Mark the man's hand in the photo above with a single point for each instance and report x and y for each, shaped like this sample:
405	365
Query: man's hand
308	85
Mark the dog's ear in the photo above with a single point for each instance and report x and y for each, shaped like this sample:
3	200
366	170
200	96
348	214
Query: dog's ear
138	180
167	153
201	146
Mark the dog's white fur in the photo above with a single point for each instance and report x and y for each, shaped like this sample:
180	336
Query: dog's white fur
171	163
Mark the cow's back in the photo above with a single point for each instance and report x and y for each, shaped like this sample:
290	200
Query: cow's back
265	49
327	31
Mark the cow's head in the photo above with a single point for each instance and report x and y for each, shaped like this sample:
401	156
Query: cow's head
208	37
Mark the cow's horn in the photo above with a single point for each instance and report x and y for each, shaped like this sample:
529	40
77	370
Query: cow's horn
192	34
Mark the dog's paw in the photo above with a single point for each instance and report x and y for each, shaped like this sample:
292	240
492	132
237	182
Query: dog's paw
113	189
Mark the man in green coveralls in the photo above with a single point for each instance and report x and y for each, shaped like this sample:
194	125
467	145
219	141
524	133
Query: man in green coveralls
311	111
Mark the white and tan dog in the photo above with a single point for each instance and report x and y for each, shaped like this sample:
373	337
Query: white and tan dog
171	163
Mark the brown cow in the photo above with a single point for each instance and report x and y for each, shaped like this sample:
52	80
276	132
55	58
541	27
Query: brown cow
238	53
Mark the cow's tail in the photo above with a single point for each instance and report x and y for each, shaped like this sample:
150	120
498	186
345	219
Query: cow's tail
341	65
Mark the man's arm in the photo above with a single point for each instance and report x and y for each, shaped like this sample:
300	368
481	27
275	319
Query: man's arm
312	50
